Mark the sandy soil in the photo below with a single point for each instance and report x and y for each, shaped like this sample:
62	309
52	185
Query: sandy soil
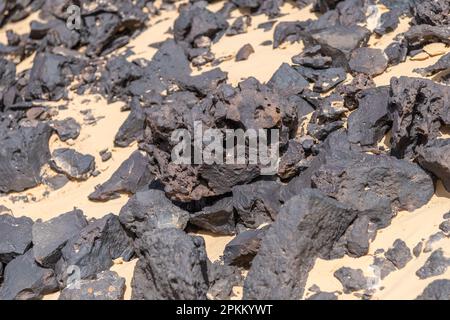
412	227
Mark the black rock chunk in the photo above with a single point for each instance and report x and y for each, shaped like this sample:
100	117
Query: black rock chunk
442	64
396	52
352	91
434	157
388	22
368	61
73	164
15	236
292	160
445	227
435	265
324	79
375	184
195	21
358	237
266	26
244	52
23	152
222	279
172	265
132	128
338	42
243	248
418	108
432	241
257	203
351	279
420	35
149	210
385	266
133	174
239	26
436	290
434	13
312	57
308	225
51	236
106	286
287	81
323	296
370	122
24	279
67	129
217	218
93	249
399	254
417	250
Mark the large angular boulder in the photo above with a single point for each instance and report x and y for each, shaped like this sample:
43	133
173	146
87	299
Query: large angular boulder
94	248
172	265
218	218
308	226
51	236
418	108
435	158
436	290
24	279
15	236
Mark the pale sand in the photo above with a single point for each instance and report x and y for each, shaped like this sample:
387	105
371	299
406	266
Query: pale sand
409	226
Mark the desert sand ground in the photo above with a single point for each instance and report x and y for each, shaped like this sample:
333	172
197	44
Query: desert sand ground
412	227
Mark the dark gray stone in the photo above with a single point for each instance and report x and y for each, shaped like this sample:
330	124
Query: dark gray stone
51	236
437	290
257	203
73	164
217	218
15	236
133	174
150	210
435	265
358	237
399	254
67	129
106	286
243	248
368	61
94	248
434	157
172	265
308	225
23	152
287	81
244	52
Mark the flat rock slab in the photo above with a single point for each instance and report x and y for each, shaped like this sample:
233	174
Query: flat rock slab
437	290
73	164
106	286
24	279
51	236
15	236
23	152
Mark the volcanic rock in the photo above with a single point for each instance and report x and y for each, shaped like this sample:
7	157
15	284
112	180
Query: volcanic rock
172	265
51	236
291	245
15	236
149	210
24	279
73	164
106	286
217	218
